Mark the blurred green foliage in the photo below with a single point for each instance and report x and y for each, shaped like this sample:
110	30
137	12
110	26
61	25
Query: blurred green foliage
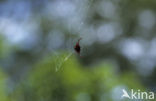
3	86
72	81
4	48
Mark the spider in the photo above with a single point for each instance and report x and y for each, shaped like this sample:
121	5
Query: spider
77	47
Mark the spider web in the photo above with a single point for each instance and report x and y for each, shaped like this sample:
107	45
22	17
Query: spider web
61	61
72	39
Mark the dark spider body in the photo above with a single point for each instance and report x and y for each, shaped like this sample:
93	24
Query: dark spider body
77	47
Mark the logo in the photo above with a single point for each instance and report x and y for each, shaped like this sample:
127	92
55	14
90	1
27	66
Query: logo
137	94
125	94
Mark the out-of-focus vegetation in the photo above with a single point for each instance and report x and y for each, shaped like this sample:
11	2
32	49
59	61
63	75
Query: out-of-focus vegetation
38	62
3	86
73	82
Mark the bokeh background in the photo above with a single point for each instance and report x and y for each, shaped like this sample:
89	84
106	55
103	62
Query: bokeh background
38	62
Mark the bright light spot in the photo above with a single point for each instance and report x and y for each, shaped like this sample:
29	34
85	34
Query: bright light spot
88	31
106	33
106	9
12	30
132	49
18	33
61	8
147	19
